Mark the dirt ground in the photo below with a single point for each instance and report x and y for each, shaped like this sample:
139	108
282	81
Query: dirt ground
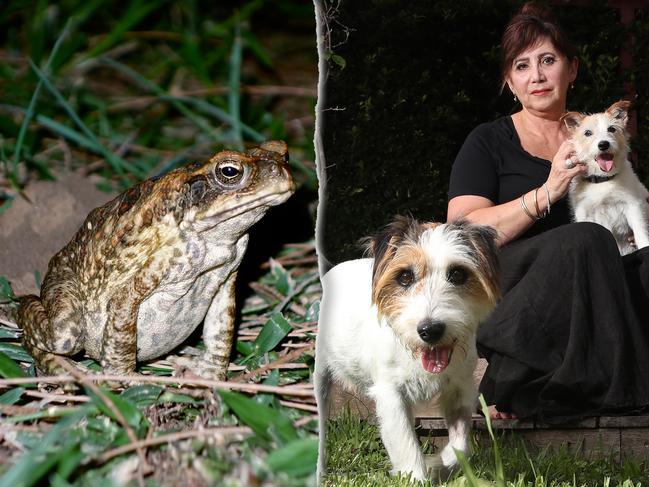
32	232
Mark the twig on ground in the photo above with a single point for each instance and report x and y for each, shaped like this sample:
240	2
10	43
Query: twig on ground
293	390
274	364
300	405
143	466
168	438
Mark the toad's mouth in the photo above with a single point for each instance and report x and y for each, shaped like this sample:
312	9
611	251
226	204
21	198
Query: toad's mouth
247	205
436	359
605	161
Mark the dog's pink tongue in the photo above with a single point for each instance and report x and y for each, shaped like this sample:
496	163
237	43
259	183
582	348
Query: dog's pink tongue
435	360
605	162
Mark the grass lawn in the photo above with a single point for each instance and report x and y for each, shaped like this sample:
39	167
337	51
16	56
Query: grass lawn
356	458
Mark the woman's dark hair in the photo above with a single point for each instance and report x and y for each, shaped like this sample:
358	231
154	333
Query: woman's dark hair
525	29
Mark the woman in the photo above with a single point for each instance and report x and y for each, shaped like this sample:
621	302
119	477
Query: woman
569	337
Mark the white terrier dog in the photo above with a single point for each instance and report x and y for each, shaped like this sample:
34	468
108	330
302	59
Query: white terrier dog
610	193
401	328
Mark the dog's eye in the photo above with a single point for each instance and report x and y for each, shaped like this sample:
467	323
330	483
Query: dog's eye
405	278
611	129
457	275
588	133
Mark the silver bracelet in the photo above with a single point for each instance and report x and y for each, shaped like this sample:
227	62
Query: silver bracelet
547	192
524	206
536	205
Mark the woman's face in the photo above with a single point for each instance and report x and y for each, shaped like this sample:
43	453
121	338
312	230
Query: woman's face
540	76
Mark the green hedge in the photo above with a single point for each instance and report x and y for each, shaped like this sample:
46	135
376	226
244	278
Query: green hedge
407	81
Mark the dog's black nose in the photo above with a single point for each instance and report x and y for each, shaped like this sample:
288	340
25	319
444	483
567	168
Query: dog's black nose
603	145
431	331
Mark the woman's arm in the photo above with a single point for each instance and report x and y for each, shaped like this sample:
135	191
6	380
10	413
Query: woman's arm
509	219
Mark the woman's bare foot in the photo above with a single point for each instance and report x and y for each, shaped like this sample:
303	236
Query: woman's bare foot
495	414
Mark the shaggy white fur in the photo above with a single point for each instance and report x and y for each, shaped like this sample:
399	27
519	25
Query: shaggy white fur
610	193
400	327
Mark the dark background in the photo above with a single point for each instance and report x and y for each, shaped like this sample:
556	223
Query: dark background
407	81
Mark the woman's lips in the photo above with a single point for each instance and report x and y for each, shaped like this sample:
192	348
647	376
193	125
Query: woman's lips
540	92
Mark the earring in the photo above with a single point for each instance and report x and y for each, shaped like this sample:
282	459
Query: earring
515	99
572	86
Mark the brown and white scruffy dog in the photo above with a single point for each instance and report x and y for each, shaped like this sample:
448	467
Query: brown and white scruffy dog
609	193
400	327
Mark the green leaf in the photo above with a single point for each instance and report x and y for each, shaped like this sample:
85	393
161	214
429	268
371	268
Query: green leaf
245	348
298	458
339	60
313	311
281	279
176	398
10	333
12	396
144	395
269	423
130	412
6	293
273	332
9	368
15	352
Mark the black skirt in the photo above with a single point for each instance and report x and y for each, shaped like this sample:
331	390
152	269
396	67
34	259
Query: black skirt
570	338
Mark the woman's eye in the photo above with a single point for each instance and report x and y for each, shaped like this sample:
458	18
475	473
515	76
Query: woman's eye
611	129
588	133
548	60
405	278
520	66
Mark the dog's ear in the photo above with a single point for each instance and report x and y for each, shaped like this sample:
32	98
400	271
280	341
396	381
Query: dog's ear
482	239
619	110
384	244
572	120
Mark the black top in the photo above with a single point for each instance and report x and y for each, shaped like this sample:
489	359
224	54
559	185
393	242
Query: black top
493	164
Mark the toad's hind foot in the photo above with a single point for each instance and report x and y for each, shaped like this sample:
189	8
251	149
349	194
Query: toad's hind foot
36	326
202	366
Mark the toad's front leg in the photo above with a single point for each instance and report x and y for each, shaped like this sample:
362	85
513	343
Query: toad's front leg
218	333
119	338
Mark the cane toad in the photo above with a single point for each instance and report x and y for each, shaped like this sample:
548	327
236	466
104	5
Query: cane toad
148	267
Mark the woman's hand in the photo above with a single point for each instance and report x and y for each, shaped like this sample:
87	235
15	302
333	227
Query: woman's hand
560	175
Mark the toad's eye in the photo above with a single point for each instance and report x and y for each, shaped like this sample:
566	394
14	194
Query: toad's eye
230	172
588	133
457	275
611	129
405	278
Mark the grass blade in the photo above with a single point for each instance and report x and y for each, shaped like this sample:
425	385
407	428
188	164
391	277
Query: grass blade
117	163
180	102
297	459
136	11
273	332
268	423
154	88
32	466
234	96
31	108
8	368
498	464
